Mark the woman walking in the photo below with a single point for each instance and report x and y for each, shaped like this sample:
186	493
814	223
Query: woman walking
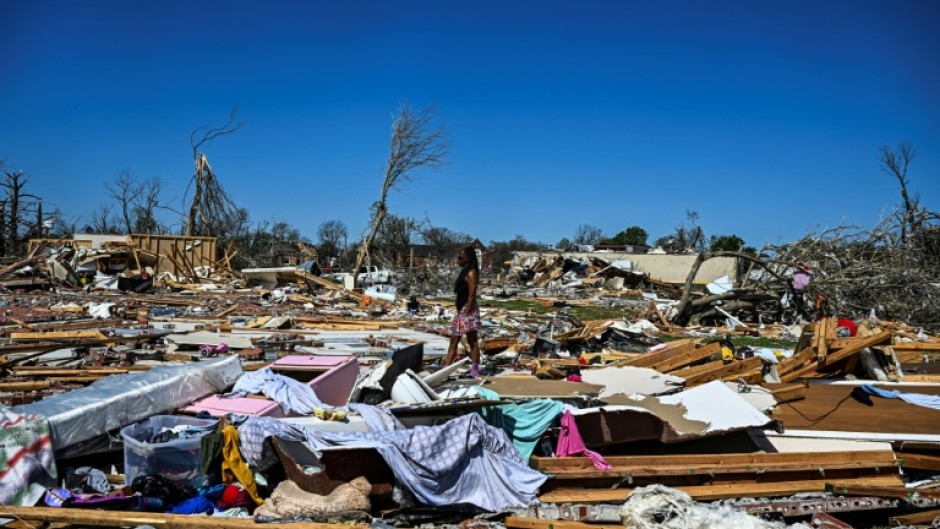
467	320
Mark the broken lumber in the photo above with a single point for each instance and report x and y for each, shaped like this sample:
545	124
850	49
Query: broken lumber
517	522
101	518
648	359
712	464
919	461
917	518
58	335
724	490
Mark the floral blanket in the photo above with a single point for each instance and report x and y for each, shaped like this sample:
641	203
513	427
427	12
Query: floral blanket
27	465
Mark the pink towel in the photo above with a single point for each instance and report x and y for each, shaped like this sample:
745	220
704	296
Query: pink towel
570	443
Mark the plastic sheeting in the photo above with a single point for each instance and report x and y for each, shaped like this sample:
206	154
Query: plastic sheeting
118	400
659	507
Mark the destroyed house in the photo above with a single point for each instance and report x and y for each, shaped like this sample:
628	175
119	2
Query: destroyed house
421	255
292	254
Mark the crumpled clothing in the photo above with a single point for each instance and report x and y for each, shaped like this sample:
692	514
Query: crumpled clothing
234	467
570	443
197	505
234	497
88	479
463	460
156	486
801	279
107	503
234	512
56	497
288	500
525	423
917	399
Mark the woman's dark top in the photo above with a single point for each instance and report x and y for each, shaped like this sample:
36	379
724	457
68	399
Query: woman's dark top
462	288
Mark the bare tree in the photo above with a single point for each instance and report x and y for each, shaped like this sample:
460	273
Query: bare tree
212	211
101	221
587	234
125	190
895	162
15	205
145	218
443	241
416	143
332	236
688	236
393	239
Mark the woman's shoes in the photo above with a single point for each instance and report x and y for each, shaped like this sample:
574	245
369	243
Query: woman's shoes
474	371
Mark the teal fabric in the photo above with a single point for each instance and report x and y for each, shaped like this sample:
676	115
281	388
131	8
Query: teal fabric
524	423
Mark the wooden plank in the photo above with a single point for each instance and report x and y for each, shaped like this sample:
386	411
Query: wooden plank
920	347
881	338
517	522
796	361
724	490
788	392
922	378
920	461
684	357
812	460
648	359
863	343
846	353
917	518
822	330
69	373
127	519
884	491
715	470
58	335
695	371
729	370
909	357
23	386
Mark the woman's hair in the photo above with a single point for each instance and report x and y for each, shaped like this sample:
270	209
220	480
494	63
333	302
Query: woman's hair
471	254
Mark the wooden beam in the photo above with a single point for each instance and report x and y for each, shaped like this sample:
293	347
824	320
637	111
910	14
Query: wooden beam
713	470
881	338
919	461
99	518
884	491
24	386
788	392
724	491
917	518
796	361
811	460
58	335
684	357
734	368
819	339
517	522
648	359
919	347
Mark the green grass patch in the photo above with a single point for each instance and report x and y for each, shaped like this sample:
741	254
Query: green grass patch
518	305
583	313
757	341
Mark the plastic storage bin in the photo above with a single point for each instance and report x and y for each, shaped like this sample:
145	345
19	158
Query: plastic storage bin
179	460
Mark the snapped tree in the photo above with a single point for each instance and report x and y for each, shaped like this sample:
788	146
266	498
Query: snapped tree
416	143
212	210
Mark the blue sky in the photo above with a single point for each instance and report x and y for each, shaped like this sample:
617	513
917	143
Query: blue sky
764	117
